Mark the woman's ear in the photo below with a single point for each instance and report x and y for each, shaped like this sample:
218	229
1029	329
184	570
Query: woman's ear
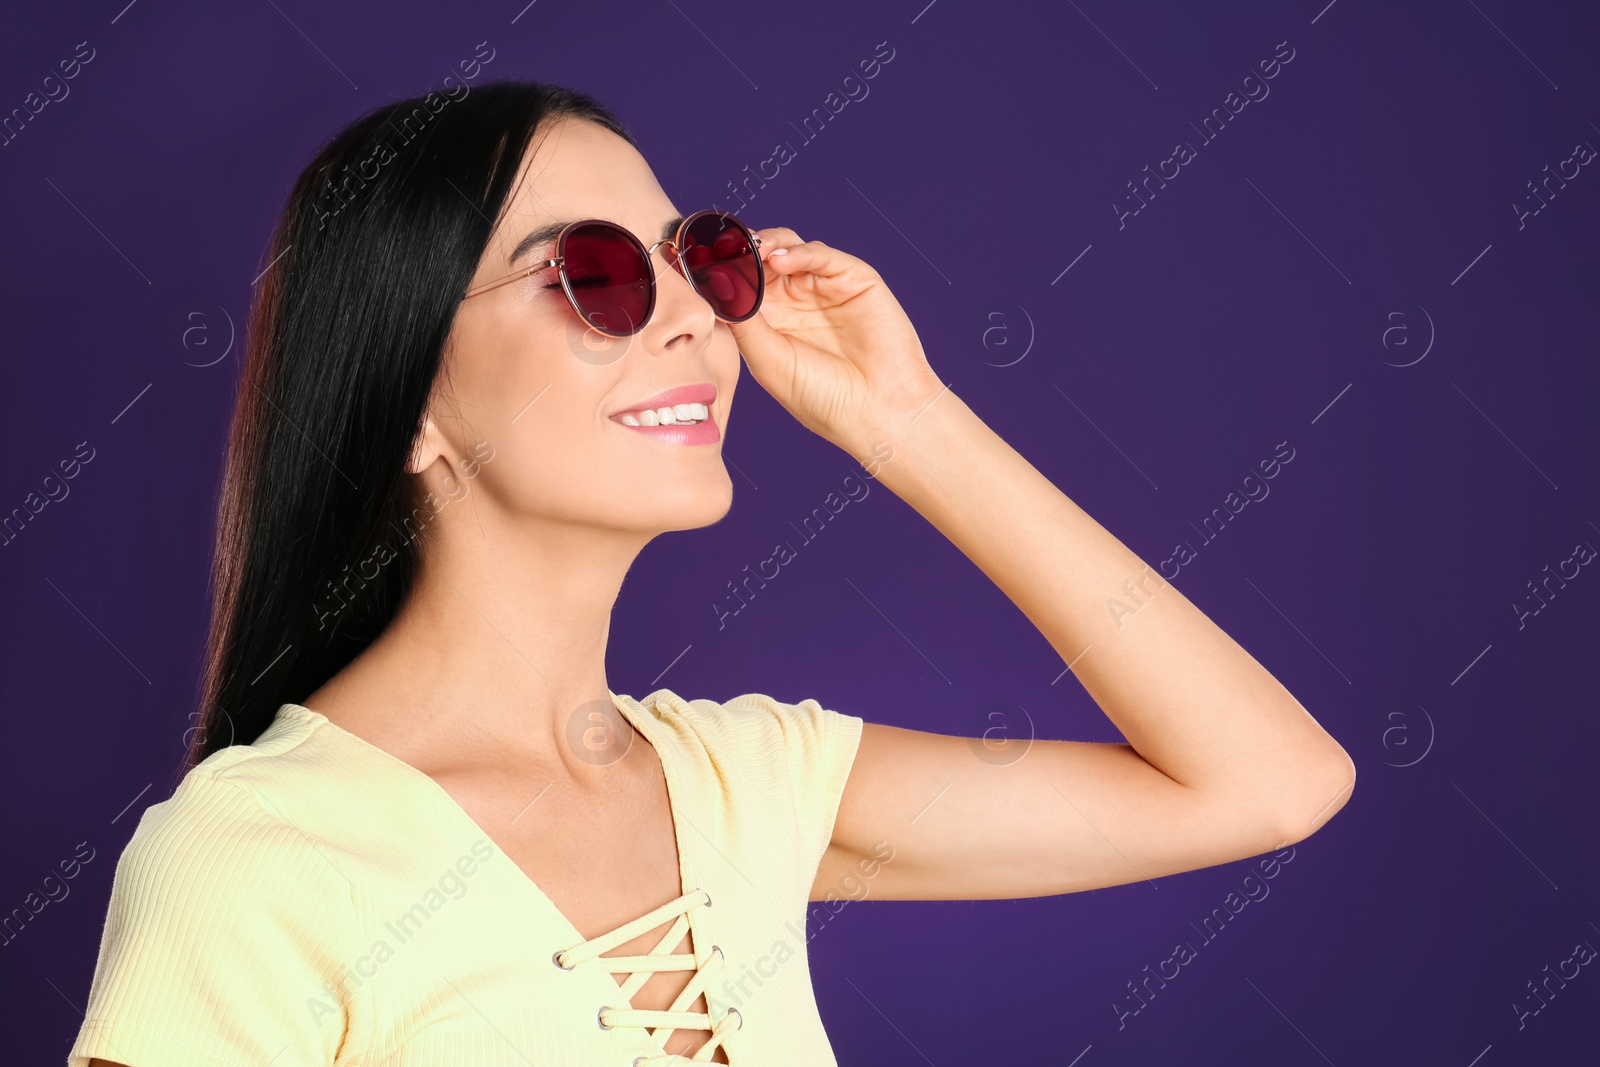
429	446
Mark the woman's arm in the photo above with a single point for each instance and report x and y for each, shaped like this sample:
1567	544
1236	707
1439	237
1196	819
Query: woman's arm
1221	761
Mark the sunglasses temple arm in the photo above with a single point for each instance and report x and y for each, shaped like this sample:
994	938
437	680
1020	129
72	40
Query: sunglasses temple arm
528	271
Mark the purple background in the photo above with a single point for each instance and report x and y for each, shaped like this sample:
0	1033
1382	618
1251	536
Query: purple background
1245	306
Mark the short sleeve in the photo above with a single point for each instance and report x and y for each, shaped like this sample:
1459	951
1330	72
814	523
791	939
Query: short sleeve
820	747
223	940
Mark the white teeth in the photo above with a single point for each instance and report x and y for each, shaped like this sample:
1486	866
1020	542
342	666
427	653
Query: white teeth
673	415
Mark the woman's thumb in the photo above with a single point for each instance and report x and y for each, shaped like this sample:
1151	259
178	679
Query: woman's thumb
769	353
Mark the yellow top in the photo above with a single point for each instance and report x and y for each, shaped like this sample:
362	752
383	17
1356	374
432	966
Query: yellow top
311	899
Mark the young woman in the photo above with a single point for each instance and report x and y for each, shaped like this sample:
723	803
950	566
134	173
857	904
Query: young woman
488	363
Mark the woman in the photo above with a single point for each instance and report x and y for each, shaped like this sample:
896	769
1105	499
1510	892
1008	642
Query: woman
468	405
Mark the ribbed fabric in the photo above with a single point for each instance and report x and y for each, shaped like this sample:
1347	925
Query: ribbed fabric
310	899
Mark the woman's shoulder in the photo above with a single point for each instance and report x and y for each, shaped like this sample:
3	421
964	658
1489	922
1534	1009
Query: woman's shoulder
799	754
241	812
227	902
752	711
756	729
247	810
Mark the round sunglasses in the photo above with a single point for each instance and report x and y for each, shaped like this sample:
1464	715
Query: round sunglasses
608	278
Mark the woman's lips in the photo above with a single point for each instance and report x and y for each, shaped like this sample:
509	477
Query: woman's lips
701	433
700	393
651	416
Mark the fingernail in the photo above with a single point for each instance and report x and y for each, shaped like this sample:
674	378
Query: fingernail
780	251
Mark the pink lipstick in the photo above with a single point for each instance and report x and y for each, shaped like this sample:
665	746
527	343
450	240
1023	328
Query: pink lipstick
680	415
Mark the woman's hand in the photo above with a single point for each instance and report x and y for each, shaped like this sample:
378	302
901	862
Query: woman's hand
832	344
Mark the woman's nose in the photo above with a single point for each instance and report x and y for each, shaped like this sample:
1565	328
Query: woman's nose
679	313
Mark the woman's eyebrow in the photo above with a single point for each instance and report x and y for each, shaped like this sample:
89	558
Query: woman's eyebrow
545	233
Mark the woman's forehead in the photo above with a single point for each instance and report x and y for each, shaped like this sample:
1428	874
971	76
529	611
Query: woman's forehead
579	170
576	160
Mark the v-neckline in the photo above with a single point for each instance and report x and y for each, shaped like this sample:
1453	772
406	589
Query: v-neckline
570	931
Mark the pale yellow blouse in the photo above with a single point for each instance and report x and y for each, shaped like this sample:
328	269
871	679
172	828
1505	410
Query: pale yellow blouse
311	899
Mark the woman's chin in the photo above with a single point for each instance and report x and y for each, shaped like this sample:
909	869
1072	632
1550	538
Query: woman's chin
691	509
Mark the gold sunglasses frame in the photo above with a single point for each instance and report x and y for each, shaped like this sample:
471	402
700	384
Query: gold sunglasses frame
675	261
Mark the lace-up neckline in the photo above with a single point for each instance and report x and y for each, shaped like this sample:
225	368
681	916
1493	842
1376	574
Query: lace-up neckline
617	1010
659	1024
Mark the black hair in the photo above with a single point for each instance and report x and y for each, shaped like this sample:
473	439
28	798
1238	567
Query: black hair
318	521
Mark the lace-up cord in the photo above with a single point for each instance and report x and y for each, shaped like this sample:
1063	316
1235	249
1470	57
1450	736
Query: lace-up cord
660	1024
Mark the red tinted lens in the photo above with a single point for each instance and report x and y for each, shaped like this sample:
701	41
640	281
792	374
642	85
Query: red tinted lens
609	274
721	261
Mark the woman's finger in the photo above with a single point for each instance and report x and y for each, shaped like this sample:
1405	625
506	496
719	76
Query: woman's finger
768	352
815	257
777	237
772	239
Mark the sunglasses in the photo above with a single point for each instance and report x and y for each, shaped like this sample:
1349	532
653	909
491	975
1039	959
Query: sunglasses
607	275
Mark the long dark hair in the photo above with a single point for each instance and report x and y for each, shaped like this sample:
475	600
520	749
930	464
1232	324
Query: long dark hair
370	256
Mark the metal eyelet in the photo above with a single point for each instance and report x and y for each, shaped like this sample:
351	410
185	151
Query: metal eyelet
603	1009
555	958
708	897
735	1011
638	1060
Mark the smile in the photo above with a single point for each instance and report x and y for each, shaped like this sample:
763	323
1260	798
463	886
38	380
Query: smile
681	415
674	415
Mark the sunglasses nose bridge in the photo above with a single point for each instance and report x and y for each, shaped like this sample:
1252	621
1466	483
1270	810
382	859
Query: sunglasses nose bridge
674	257
671	254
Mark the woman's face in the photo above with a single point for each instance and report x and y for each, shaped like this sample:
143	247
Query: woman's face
530	380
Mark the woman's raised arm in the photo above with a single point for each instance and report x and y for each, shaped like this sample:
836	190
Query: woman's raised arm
1221	762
